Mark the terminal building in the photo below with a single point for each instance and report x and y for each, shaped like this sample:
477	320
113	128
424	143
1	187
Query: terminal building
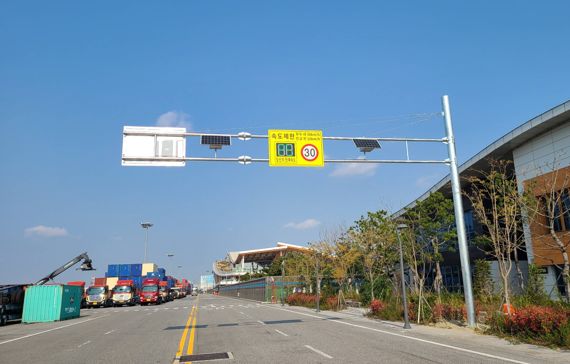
539	150
237	264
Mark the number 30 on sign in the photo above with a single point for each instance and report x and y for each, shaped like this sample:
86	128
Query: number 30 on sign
296	148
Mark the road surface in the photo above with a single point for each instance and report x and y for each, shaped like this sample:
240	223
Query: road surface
249	332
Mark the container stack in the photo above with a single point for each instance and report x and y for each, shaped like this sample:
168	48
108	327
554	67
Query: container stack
134	272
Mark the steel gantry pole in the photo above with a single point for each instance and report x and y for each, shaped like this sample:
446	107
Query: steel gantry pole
459	219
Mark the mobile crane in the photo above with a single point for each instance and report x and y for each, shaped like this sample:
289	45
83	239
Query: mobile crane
12	295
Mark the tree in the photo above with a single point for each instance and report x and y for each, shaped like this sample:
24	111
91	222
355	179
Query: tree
550	211
434	223
374	237
299	264
499	207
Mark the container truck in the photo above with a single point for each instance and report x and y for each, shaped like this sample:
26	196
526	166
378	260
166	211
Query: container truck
165	292
98	296
150	292
125	293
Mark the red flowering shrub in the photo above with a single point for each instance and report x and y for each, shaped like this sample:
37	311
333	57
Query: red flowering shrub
376	306
536	320
331	303
302	299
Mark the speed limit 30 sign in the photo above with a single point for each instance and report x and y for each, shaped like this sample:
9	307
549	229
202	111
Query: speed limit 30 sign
296	148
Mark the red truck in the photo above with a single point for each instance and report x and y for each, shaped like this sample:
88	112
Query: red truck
125	293
150	292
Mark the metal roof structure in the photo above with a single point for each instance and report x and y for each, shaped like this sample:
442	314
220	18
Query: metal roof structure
503	147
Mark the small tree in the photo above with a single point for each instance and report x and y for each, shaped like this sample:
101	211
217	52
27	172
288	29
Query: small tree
434	223
498	206
375	238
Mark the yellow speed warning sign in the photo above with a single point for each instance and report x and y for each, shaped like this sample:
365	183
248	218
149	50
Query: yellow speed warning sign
296	148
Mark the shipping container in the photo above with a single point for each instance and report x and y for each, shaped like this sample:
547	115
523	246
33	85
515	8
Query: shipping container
112	282
124	270
136	270
100	281
51	303
112	270
162	270
138	281
147	268
122	278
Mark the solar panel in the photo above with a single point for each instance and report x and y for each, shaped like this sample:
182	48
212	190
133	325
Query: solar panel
215	140
366	143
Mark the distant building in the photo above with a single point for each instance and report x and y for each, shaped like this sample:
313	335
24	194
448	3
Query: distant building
538	149
207	282
236	264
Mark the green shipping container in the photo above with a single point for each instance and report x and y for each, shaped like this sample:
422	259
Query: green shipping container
51	303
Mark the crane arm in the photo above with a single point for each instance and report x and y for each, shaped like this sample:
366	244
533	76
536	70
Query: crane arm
85	266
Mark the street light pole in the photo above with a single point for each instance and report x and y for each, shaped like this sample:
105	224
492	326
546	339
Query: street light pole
402	278
146	226
282	282
318	286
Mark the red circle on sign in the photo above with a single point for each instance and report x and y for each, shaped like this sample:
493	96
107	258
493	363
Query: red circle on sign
312	158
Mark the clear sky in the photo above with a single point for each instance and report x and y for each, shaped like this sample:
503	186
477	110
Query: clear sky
72	74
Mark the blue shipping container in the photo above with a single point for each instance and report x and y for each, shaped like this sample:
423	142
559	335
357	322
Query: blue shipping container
162	270
153	275
112	270
138	281
124	278
136	270
124	270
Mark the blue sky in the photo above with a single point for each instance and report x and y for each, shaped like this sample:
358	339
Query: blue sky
72	74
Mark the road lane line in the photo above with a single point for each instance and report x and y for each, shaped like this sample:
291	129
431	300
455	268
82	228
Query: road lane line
85	343
319	352
55	328
409	337
108	332
261	322
192	333
185	333
281	332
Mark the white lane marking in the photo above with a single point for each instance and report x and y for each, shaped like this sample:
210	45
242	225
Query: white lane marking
242	313
85	343
261	322
410	338
108	332
281	332
185	306
319	352
175	308
55	328
137	310
167	308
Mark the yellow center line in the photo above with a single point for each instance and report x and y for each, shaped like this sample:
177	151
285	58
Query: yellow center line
193	331
185	333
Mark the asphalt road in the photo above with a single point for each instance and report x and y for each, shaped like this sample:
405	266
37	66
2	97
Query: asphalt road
251	333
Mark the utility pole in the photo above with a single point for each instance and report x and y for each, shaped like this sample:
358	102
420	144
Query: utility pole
459	218
404	295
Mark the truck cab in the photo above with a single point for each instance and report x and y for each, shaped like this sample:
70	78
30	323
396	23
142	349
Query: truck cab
165	292
98	296
125	293
150	292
